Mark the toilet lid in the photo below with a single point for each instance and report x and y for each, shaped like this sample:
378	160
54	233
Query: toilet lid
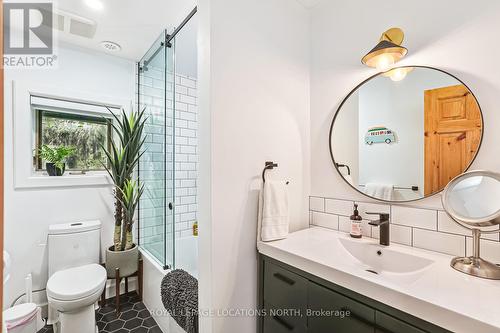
78	282
19	312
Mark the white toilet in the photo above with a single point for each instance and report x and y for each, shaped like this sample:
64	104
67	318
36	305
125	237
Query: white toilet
76	280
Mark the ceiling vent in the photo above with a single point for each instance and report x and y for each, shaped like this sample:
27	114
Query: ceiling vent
58	22
111	46
82	28
74	24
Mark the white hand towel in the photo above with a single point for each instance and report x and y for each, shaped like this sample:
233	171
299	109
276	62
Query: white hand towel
273	212
380	191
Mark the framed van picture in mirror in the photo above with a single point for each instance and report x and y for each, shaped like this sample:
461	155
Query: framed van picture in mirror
403	137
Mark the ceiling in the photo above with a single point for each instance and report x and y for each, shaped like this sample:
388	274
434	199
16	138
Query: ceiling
309	3
133	24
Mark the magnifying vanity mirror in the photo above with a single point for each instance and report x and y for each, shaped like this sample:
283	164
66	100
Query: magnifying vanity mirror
404	134
471	200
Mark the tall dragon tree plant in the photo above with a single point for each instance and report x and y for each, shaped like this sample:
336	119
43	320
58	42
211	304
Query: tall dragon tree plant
131	194
122	159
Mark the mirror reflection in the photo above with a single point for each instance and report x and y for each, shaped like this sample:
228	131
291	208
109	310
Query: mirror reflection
475	197
404	134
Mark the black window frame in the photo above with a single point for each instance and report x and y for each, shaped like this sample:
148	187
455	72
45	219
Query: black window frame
39	114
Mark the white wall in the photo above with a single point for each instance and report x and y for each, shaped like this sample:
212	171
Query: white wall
29	212
444	34
254	82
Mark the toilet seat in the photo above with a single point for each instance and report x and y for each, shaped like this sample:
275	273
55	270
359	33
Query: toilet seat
76	283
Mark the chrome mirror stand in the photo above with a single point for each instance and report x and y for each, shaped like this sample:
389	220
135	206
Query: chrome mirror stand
464	201
475	265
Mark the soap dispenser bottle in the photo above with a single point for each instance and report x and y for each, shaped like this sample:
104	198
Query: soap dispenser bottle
356	220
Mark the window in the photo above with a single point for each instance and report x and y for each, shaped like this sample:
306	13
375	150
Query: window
85	133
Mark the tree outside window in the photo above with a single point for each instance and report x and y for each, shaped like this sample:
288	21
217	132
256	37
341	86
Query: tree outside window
83	132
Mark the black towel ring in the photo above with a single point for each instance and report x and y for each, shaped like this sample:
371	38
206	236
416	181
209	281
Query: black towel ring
269	166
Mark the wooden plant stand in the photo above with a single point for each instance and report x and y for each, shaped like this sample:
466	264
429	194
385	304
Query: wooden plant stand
118	278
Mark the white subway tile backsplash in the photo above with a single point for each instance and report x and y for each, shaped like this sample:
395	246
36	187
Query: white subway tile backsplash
366	229
419	227
344	224
365	207
489	250
414	217
446	224
325	220
398	234
317	204
339	207
439	242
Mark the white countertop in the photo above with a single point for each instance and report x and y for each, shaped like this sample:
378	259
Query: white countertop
440	295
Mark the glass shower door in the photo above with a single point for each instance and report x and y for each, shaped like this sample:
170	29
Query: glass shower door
156	167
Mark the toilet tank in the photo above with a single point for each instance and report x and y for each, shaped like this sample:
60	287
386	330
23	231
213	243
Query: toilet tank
73	244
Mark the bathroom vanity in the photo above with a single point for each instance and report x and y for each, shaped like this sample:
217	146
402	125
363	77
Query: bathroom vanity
319	280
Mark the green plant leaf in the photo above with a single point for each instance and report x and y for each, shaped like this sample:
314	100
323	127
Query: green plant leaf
57	155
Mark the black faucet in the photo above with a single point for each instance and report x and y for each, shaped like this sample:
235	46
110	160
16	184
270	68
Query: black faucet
383	224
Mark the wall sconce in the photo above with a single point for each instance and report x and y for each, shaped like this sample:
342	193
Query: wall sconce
388	51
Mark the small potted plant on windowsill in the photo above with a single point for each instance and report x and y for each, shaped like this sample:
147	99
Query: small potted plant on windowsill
55	158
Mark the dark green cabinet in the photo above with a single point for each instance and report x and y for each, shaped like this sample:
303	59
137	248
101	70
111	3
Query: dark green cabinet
280	320
388	324
328	309
298	302
285	300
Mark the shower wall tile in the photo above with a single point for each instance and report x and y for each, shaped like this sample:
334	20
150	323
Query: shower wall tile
186	155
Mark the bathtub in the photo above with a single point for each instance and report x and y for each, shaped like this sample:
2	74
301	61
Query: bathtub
186	257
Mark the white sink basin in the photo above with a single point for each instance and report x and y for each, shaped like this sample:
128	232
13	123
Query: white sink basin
383	260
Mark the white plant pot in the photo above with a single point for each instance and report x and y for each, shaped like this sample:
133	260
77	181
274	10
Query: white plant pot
127	261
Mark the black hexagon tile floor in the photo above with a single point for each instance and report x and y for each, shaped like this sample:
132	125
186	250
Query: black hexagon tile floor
134	317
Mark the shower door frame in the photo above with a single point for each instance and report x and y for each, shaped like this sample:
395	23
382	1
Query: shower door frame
169	39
